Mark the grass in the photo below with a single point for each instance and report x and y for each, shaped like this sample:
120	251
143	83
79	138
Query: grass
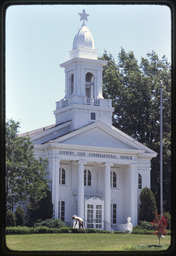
85	242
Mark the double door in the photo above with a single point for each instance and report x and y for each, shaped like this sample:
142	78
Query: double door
95	214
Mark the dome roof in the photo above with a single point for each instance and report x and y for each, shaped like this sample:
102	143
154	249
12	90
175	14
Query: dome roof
83	39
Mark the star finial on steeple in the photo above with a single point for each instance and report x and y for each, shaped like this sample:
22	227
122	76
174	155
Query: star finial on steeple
83	15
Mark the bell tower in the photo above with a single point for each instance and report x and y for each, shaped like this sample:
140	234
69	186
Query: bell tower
83	102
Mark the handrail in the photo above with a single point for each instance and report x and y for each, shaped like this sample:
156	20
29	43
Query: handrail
108	223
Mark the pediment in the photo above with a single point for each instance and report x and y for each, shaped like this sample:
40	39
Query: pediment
102	136
97	137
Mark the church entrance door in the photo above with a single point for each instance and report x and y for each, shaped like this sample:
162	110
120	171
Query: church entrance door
94	213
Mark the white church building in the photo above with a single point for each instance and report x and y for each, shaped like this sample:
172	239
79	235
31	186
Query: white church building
97	171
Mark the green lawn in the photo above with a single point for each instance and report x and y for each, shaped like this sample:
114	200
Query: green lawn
85	242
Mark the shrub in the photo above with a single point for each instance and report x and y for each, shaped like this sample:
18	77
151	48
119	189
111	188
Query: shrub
19	230
31	230
50	223
65	230
147	207
137	230
75	230
10	219
119	232
91	230
20	216
43	229
145	225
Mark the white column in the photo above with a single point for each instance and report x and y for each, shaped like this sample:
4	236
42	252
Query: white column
107	196
54	164
133	193
148	177
56	181
81	164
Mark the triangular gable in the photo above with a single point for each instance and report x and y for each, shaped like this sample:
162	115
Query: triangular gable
96	137
100	135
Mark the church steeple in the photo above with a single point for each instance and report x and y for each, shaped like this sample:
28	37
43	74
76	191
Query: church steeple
83	102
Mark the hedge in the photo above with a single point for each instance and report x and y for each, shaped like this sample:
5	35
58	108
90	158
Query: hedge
31	230
44	229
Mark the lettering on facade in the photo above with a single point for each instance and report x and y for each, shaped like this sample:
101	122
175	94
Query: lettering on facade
69	153
90	154
102	155
126	157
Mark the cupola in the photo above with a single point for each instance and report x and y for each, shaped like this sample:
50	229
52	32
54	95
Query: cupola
83	39
83	43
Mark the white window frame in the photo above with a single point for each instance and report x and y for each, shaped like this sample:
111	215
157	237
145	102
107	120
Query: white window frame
61	210
94	202
86	180
62	180
92	119
139	181
112	213
116	171
89	85
71	84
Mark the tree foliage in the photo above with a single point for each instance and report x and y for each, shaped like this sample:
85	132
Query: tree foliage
25	175
135	92
147	207
43	210
160	225
20	216
10	219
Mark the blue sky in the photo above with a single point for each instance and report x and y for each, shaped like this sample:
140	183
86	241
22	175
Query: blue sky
39	38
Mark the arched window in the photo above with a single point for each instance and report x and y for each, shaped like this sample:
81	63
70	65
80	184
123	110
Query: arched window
61	176
87	178
113	181
89	86
139	181
71	84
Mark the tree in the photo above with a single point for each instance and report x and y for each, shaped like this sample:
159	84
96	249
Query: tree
160	224
135	92
20	216
147	207
43	210
10	219
25	176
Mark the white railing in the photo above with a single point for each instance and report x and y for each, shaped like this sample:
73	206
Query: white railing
95	102
87	101
64	103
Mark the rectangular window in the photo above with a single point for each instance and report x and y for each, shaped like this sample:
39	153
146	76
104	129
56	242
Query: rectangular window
93	116
90	216
113	179
114	213
61	211
98	216
62	176
139	181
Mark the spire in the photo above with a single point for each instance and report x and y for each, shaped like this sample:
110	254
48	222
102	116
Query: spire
83	16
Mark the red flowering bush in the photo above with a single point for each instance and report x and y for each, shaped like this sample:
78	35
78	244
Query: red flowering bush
160	224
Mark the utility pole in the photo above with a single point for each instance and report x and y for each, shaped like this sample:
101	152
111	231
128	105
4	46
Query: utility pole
161	150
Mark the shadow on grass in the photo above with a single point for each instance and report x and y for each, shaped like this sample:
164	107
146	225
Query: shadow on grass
148	247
